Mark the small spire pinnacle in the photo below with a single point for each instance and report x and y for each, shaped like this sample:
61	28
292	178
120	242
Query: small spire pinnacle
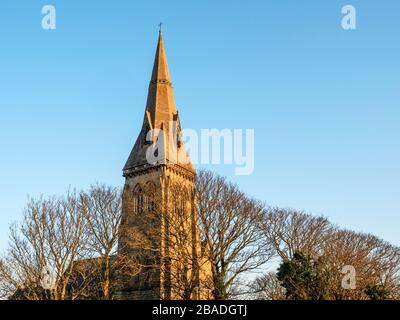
160	26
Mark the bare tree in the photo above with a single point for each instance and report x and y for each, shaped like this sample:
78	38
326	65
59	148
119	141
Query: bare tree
375	262
49	240
291	231
230	224
74	239
268	287
104	268
101	208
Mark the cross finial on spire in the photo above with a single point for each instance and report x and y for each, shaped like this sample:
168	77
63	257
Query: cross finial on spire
160	26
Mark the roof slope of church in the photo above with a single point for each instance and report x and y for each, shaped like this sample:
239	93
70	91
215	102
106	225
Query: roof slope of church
161	114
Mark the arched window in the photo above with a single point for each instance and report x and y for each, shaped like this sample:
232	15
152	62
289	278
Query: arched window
138	199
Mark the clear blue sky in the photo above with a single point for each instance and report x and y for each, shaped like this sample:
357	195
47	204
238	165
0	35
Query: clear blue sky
324	102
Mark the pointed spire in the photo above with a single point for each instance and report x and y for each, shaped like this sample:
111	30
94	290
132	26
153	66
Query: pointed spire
160	69
160	100
160	112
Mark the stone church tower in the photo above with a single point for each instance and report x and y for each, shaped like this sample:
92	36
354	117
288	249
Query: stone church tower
160	225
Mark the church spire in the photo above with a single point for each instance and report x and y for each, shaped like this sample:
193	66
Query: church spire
160	99
160	113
